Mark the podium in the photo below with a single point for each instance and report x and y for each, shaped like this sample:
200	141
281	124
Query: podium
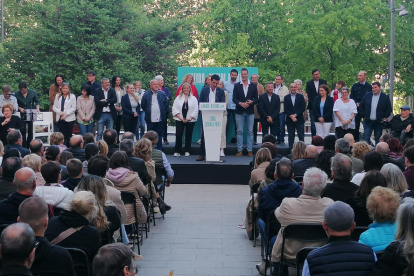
42	124
212	126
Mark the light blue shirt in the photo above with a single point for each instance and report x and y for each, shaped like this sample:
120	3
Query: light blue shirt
374	104
229	87
293	97
167	165
321	106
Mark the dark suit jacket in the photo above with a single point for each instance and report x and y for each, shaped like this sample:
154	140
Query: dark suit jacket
111	149
138	165
126	107
383	108
267	108
205	95
98	96
298	109
327	109
312	91
146	103
23	151
77	153
301	165
340	190
238	97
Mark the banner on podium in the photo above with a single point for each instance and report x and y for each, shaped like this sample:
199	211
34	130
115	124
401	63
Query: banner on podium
212	126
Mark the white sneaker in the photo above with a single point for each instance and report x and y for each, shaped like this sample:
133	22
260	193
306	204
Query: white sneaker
199	141
176	154
156	209
222	153
187	154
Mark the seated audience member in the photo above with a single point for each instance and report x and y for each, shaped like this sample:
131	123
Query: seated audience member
18	245
98	165
53	154
75	172
11	153
341	187
57	139
401	124
88	138
108	220
409	162
126	180
53	192
298	151
15	141
323	162
396	256
301	165
395	178
36	147
384	138
382	205
396	150
270	177
273	150
359	149
307	208
103	148
64	157
91	150
383	149
342	146
358	203
338	222
350	138
114	259
76	147
271	197
317	141
372	161
10	167
128	135
329	142
262	160
34	162
401	160
110	137
137	164
49	259
83	210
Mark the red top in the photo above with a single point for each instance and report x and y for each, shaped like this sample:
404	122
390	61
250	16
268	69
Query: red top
194	91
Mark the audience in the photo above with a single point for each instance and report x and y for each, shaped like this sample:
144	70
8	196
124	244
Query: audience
358	203
372	161
49	259
270	177
1	151
262	160
317	141
408	144
114	259
396	149
308	208
15	141
53	154
301	165
395	178
384	138
18	245
359	149
409	162
36	147
10	167
338	222
53	192
34	162
329	142
298	151
64	157
75	172
88	138
91	150
273	151
76	147
136	164
382	205
11	153
341	187
350	138
342	146
57	138
323	162
383	149
128	135
110	136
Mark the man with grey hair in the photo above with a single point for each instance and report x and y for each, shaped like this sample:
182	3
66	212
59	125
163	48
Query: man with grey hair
384	149
155	105
301	165
128	135
307	208
15	141
167	93
338	223
137	164
105	112
341	188
342	146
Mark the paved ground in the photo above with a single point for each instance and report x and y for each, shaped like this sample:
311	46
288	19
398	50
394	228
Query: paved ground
199	236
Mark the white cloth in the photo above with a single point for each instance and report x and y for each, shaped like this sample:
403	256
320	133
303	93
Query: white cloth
277	88
358	178
374	104
12	100
56	196
106	108
69	107
283	91
293	97
212	96
155	109
322	129
192	107
245	88
134	103
316	86
345	110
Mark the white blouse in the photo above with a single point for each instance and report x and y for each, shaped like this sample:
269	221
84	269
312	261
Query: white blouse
192	107
345	110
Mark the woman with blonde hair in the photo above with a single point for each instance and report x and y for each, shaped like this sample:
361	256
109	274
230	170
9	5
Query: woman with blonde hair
395	178
188	78
8	122
65	107
298	151
103	147
130	108
261	161
359	149
57	138
34	162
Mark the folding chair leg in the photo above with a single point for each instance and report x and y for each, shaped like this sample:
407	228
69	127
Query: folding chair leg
254	232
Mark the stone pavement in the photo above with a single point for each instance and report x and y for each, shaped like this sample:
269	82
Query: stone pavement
199	236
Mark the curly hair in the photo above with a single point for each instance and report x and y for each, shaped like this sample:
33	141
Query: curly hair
57	138
382	204
360	149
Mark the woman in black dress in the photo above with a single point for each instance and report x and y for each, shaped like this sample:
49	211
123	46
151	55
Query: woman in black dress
8	122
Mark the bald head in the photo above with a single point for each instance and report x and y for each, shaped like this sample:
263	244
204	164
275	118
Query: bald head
128	135
34	211
25	179
350	138
76	141
17	245
311	151
382	148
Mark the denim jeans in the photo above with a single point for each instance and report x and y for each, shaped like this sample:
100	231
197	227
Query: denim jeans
312	119
281	126
107	121
263	235
242	119
158	128
140	125
370	126
85	128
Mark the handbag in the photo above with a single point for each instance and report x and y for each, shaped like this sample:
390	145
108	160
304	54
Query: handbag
250	216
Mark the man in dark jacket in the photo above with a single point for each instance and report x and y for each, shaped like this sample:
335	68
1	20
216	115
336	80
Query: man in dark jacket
312	89
10	166
110	137
358	92
269	107
15	141
330	259
341	188
384	149
75	172
294	107
91	150
401	124
301	165
137	164
105	113
49	259
76	147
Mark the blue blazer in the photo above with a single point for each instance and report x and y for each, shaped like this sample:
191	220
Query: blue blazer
126	107
238	97
205	95
383	108
298	109
146	102
327	109
267	108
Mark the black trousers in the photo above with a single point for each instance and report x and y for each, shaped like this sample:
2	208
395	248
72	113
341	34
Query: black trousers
340	132
255	124
357	124
166	126
29	131
67	129
231	113
130	124
179	131
118	125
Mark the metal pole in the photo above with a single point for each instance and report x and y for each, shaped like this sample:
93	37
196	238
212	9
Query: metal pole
391	69
2	22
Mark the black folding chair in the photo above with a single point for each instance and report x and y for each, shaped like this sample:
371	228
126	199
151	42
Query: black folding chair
161	175
271	218
129	198
254	190
80	261
303	232
301	257
357	232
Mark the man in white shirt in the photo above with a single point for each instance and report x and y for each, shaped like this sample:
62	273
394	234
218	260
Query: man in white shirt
231	107
6	98
281	90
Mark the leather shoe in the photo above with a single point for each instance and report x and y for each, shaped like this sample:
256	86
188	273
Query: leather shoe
239	154
250	154
261	267
201	158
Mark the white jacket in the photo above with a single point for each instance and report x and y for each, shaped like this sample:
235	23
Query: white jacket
192	107
56	196
69	108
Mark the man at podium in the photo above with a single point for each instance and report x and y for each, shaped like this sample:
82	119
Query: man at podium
212	94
